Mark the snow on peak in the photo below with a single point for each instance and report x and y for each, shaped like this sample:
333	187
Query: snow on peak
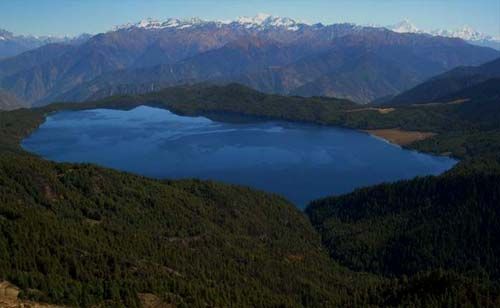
5	35
260	21
264	21
45	39
465	32
405	26
150	23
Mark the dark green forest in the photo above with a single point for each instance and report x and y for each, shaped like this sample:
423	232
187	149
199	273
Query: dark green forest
462	130
448	222
81	235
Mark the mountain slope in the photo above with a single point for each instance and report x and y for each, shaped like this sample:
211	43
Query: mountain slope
488	90
410	226
444	85
82	235
189	242
104	53
218	66
360	67
363	75
287	58
481	104
77	234
9	101
365	66
32	58
465	32
12	45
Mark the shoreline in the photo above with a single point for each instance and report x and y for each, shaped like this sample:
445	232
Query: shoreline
399	137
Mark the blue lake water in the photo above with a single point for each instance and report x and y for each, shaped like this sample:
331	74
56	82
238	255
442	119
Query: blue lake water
299	161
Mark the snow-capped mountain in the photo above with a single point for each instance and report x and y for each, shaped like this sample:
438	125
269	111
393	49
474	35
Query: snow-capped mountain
11	44
44	39
261	21
265	21
169	23
405	26
465	32
268	53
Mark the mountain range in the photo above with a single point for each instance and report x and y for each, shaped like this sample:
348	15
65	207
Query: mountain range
267	53
465	32
12	45
80	235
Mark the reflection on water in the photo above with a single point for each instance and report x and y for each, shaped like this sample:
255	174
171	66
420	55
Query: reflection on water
301	162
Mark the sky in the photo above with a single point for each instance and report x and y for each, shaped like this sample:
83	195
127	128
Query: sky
72	17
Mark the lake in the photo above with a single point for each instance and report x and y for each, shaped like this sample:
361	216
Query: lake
299	161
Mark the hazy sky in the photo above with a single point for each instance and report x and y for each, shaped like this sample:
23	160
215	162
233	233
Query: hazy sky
70	17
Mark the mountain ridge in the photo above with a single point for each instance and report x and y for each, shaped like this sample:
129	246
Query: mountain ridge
442	87
465	32
293	77
13	45
284	60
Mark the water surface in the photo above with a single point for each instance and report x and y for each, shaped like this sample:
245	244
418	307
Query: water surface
299	161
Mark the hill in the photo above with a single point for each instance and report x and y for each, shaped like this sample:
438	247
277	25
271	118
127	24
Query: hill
81	235
484	91
9	101
443	87
412	226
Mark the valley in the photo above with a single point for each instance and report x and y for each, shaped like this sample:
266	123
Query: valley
252	162
56	186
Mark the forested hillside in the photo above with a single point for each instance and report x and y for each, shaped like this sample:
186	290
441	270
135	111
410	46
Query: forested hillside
447	222
82	235
443	87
